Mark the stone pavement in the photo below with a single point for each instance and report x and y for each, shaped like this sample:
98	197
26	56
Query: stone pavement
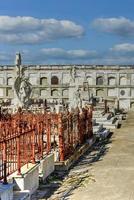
114	173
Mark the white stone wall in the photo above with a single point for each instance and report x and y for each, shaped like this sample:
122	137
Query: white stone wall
124	92
33	78
65	78
29	180
46	166
112	92
116	79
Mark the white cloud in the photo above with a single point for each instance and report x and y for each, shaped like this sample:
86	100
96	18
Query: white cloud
58	53
78	56
30	30
62	56
120	26
49	56
124	47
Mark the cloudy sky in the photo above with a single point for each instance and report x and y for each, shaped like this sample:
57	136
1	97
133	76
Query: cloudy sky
67	31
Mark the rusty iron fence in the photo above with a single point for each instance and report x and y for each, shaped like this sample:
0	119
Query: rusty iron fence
73	130
27	137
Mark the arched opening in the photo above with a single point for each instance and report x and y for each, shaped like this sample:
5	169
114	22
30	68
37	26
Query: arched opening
54	80
132	105
123	80
65	92
10	81
100	93
111	81
99	80
54	93
43	81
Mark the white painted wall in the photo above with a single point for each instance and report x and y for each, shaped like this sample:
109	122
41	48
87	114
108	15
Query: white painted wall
112	92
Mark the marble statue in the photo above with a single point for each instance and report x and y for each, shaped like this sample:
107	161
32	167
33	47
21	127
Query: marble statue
72	75
76	102
22	86
23	89
77	99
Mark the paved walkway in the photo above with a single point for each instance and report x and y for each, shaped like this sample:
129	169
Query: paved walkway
114	174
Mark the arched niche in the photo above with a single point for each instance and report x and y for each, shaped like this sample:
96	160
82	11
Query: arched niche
54	80
43	81
123	80
99	80
9	81
54	93
100	93
65	92
111	81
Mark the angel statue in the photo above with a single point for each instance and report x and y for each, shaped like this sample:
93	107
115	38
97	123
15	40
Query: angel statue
23	89
22	86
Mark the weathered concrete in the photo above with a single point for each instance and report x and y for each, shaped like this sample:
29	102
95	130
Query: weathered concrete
29	178
46	166
114	174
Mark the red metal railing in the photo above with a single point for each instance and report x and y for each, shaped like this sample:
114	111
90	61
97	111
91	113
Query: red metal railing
27	137
74	129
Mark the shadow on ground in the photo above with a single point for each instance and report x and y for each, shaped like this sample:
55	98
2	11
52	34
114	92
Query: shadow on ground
59	185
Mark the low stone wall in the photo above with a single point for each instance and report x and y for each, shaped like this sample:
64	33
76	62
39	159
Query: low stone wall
46	166
28	180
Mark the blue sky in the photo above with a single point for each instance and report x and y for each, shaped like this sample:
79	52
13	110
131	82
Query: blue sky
67	31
